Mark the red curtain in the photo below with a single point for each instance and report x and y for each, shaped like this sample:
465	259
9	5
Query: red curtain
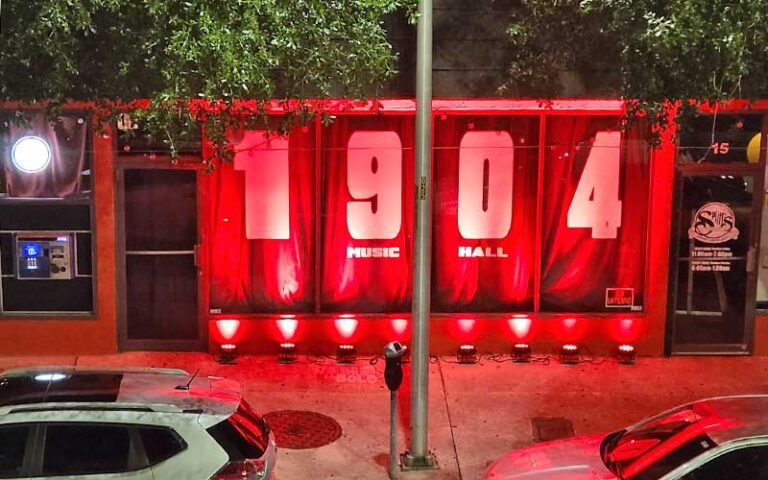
369	284
484	284
263	275
577	268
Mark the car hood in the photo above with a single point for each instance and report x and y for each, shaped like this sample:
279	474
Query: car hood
571	459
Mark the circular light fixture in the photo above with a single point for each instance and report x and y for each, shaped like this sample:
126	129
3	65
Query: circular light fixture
31	154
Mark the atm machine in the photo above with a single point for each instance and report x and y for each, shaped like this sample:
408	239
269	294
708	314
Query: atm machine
44	256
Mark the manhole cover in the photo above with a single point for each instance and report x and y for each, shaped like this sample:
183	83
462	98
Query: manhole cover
298	429
546	429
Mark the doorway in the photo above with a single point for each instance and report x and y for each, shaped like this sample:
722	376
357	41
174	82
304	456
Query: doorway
158	264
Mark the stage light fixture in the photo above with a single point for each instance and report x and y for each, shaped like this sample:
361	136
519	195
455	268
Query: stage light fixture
31	154
227	353
346	354
521	352
626	354
466	354
286	353
569	354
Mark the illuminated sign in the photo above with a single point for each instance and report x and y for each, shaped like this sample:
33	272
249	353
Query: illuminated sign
375	177
619	297
267	202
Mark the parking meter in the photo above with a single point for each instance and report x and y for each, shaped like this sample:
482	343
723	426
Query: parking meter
393	372
393	376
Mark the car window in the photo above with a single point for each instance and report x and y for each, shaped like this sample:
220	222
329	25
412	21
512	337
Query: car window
744	464
160	443
13	441
658	446
77	449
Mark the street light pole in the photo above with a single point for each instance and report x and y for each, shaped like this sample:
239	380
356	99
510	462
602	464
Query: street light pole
419	457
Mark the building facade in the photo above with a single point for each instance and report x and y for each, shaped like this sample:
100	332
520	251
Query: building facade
552	224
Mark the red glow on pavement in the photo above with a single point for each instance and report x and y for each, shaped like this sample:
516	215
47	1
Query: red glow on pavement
346	326
287	327
399	326
228	328
520	326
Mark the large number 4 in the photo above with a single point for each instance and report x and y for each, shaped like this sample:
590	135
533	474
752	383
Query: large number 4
596	203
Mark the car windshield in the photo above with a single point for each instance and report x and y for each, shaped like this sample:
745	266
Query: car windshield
658	445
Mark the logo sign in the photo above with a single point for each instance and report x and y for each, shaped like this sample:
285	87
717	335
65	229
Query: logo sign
714	223
619	297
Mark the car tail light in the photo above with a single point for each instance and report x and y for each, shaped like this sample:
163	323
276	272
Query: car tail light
244	470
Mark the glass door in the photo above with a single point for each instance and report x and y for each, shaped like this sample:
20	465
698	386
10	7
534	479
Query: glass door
714	276
159	267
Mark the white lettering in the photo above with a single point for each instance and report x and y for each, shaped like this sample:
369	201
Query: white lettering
479	252
373	252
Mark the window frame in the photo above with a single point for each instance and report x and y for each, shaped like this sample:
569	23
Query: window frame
90	201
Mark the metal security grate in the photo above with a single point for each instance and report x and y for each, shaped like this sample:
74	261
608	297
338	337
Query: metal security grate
547	429
298	429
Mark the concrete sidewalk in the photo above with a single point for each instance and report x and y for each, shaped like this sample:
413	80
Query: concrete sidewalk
477	412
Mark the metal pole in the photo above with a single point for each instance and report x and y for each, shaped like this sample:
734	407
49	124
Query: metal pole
419	456
393	434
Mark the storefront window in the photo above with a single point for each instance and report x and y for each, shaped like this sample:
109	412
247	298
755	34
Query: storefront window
485	178
595	191
367	214
45	216
261	218
722	138
329	228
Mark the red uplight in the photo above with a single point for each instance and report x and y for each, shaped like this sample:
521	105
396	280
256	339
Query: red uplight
228	328
346	326
399	326
570	329
466	325
287	327
520	326
625	330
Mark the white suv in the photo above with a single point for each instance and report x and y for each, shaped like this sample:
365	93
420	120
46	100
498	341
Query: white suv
139	424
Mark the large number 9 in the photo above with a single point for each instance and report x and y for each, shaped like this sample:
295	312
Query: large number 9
375	182
596	202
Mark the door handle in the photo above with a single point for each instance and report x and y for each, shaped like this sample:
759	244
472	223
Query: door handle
196	255
751	259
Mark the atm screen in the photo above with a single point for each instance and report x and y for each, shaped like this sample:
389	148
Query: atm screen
32	250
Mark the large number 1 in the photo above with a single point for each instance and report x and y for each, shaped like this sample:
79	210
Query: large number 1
596	202
267	203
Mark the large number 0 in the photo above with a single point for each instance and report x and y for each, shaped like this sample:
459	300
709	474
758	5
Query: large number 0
267	203
486	169
375	182
596	203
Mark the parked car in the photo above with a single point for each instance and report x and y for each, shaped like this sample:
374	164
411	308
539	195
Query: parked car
151	424
722	438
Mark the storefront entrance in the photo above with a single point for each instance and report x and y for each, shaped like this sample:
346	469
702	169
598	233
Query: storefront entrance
158	248
715	238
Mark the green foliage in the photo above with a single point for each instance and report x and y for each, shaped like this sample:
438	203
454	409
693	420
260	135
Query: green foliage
173	51
655	52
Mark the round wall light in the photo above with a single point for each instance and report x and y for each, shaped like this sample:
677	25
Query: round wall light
31	154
